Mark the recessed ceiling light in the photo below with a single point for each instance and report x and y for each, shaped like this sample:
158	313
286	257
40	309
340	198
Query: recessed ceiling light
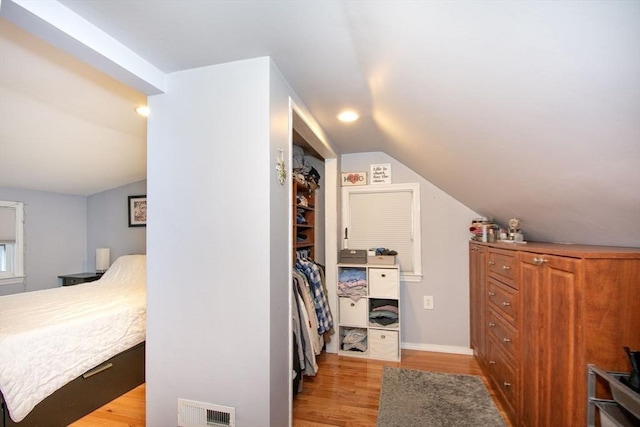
143	110
348	116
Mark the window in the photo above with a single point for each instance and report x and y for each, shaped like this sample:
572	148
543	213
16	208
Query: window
11	242
386	216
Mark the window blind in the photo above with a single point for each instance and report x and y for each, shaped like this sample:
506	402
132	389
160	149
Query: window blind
7	224
383	220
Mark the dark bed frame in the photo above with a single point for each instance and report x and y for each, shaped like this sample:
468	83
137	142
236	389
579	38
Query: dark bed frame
88	392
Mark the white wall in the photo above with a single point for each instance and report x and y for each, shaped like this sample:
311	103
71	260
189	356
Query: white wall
445	235
210	263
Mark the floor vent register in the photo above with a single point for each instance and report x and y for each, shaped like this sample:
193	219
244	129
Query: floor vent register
199	414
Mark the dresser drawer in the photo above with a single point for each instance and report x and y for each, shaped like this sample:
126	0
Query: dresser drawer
353	313
383	282
504	300
503	266
504	376
505	335
383	344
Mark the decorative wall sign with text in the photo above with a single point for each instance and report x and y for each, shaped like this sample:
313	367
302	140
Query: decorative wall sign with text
381	174
354	178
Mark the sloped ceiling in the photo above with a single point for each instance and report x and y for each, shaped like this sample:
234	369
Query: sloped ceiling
64	126
526	109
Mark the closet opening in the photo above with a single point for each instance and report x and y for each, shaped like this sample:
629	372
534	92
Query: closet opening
313	237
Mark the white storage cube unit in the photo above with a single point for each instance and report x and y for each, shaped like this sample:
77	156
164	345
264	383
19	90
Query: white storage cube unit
369	311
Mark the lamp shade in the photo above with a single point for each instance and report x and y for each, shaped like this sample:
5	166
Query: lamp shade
102	259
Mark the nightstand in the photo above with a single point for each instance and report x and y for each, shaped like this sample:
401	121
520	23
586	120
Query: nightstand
74	279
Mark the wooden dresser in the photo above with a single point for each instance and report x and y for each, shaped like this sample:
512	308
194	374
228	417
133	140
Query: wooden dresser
541	312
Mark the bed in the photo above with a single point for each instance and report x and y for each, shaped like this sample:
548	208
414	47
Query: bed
66	351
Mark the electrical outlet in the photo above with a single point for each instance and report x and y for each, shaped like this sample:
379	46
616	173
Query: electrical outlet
428	302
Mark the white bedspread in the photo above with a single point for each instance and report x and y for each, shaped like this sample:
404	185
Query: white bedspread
50	337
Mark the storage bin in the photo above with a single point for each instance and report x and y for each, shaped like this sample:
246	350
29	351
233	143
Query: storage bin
383	282
353	256
383	344
628	398
352	312
381	259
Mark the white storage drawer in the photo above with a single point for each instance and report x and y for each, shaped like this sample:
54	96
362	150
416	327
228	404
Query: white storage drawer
353	313
383	344
383	282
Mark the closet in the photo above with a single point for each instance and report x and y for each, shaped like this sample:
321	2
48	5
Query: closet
311	316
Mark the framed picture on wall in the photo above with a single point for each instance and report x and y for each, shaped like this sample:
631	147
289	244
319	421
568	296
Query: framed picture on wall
138	211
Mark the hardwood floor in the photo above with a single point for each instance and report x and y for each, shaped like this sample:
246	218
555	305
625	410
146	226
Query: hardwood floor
127	410
345	392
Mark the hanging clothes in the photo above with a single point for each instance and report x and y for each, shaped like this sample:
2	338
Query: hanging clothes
315	278
311	317
304	290
306	336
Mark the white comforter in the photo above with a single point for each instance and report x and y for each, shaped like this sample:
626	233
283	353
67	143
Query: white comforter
50	337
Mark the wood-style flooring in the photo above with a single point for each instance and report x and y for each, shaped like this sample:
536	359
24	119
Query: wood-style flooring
345	392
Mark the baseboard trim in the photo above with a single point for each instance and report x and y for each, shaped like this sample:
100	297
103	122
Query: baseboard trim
437	348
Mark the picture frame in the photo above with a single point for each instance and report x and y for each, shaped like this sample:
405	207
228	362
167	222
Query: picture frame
381	173
138	211
354	178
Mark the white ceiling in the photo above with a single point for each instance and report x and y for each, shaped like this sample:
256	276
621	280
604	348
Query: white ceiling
515	108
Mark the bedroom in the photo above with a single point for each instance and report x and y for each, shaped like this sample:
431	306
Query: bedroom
197	252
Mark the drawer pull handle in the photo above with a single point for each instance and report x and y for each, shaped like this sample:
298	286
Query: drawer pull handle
97	370
353	304
383	275
506	340
507	384
492	263
382	337
492	325
539	261
492	362
492	294
506	267
506	304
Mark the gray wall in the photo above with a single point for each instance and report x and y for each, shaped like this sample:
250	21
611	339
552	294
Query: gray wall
108	225
55	227
445	266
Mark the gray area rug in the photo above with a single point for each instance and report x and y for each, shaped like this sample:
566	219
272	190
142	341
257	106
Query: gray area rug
411	398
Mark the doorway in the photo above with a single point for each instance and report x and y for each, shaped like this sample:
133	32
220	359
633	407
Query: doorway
306	133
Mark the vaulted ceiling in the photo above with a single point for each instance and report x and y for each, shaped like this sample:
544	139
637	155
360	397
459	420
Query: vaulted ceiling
526	109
